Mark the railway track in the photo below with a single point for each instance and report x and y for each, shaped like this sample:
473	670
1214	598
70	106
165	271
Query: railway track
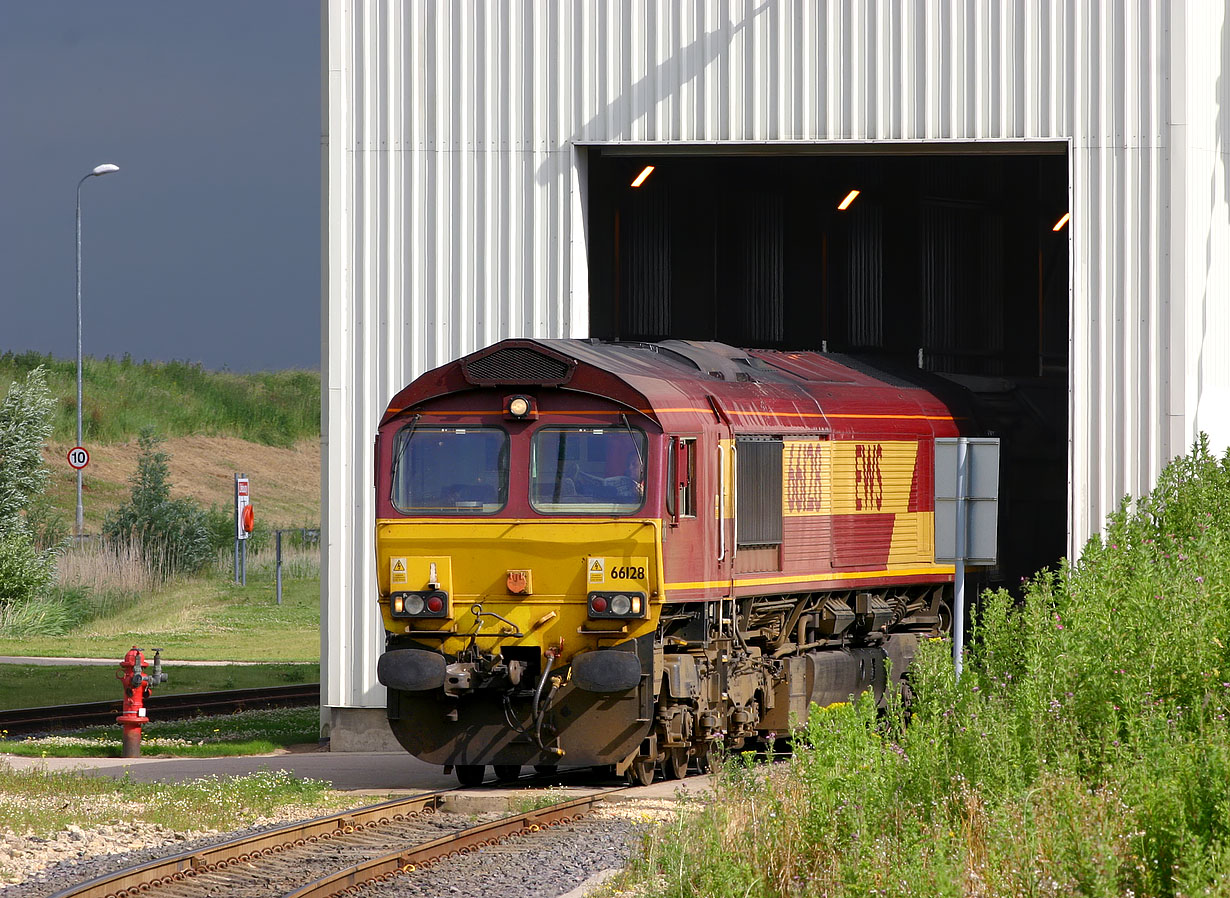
328	855
25	721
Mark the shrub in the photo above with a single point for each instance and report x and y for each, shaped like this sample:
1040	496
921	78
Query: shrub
172	534
26	569
221	524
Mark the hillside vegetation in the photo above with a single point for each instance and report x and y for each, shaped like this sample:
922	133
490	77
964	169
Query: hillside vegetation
1084	751
121	397
165	497
266	425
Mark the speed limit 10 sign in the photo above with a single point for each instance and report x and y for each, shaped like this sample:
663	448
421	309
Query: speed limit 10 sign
78	457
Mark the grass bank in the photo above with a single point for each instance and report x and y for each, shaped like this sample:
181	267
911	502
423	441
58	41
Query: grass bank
1085	750
201	618
204	619
27	685
120	397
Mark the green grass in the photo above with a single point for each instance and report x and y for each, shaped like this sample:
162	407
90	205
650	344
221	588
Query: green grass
1085	750
40	802
200	619
120	397
244	733
30	685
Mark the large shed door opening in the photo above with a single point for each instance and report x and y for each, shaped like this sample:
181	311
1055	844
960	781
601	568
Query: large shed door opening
943	264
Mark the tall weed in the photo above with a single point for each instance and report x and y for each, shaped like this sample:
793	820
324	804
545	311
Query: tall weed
1084	751
99	567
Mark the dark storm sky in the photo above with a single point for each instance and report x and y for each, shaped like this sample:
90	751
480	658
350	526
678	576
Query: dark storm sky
205	246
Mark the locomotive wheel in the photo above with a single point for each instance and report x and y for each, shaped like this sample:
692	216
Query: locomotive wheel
675	764
470	774
701	757
506	773
546	769
642	771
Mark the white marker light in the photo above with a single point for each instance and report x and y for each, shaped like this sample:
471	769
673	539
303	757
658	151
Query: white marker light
845	204
645	173
1059	225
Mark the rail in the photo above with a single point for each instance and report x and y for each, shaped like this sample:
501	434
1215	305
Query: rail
225	868
23	721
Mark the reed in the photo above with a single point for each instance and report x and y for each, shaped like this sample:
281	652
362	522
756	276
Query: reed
99	567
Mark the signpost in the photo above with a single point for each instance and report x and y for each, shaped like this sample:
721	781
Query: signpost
242	501
966	516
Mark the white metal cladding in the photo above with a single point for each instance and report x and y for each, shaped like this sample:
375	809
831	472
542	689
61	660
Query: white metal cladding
455	216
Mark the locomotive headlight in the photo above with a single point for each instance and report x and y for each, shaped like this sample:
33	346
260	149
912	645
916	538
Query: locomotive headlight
426	604
609	605
520	408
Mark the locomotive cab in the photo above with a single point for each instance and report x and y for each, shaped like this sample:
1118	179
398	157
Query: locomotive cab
519	560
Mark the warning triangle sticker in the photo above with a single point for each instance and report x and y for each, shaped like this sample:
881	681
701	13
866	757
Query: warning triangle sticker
398	566
596	566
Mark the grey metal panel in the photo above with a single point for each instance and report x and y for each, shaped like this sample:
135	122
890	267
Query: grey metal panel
455	213
759	475
978	496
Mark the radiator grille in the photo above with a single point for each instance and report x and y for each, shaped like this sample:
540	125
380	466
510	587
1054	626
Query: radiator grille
518	365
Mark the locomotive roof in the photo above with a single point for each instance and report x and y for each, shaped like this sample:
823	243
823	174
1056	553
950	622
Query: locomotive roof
675	381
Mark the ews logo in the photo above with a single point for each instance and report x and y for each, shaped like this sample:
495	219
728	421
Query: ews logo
804	479
868	478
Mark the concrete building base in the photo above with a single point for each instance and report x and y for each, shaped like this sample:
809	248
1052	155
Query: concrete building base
357	729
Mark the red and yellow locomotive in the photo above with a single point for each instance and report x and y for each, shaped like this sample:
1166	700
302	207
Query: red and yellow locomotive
625	554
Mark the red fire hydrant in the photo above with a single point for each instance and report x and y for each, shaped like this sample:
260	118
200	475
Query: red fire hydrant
136	685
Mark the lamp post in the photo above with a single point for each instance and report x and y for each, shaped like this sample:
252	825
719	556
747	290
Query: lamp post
104	169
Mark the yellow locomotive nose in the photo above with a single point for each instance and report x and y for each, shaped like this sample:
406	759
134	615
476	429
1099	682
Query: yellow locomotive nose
541	583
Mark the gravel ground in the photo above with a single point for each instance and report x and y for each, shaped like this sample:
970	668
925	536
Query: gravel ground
45	866
543	865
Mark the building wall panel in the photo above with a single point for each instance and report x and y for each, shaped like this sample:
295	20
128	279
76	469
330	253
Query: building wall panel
454	138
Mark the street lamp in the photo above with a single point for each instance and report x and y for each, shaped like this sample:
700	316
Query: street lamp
105	169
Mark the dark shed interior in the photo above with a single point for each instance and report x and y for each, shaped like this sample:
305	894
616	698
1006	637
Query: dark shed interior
945	263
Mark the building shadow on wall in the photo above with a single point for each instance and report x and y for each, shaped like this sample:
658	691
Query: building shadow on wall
655	86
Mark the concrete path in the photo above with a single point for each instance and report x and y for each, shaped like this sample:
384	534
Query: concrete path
360	772
351	772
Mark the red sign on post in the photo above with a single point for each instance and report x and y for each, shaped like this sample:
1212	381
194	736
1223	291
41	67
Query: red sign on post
242	501
78	457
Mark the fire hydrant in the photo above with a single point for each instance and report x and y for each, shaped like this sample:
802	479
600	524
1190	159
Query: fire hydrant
136	685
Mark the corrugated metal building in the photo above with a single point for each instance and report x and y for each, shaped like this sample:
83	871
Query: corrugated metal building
462	140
